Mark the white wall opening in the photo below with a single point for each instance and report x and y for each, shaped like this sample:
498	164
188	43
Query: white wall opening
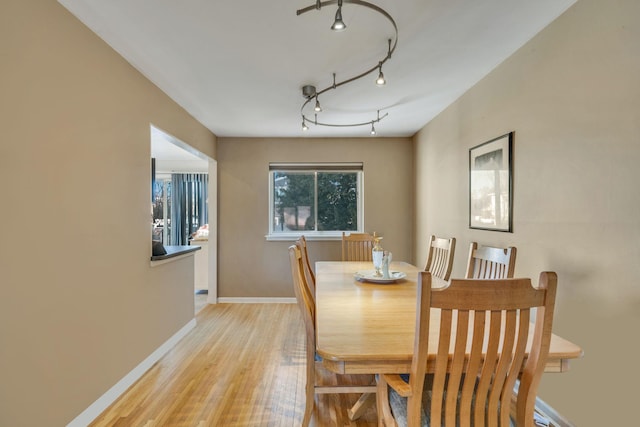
173	156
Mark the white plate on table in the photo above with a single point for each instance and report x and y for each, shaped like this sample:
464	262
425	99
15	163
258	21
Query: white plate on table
370	276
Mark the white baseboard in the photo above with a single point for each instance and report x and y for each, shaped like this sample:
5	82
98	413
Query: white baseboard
249	300
103	402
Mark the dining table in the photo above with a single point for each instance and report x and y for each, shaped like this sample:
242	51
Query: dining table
369	328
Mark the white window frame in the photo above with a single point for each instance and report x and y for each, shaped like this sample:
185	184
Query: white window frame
315	168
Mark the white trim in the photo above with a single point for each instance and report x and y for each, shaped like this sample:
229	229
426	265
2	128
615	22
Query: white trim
103	402
292	237
273	235
260	300
212	208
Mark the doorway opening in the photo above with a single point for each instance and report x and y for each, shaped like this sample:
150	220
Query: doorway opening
184	204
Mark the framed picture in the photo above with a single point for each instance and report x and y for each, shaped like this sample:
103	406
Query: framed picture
491	185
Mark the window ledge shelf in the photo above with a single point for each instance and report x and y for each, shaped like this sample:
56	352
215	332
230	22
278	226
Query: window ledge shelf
174	253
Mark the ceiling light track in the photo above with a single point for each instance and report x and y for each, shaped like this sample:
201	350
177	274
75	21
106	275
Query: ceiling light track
315	122
310	93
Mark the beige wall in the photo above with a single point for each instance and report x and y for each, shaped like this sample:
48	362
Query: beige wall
572	96
243	166
80	304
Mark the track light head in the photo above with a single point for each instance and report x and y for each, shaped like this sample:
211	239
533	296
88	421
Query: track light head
304	125
380	81
338	23
373	129
317	108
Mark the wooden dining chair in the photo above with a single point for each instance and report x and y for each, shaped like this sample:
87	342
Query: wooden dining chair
306	264
315	372
486	323
440	258
487	262
357	246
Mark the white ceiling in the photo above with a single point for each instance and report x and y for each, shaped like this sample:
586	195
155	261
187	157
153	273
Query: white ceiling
238	66
174	156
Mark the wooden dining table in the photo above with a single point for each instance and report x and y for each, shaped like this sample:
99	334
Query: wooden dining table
369	328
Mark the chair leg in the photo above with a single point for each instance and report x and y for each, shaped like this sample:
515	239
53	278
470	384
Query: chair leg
310	393
382	403
365	400
308	408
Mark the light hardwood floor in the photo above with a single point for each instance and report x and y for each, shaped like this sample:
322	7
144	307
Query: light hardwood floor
242	365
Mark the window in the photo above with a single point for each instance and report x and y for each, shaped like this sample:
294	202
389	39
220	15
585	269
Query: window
187	204
161	209
320	200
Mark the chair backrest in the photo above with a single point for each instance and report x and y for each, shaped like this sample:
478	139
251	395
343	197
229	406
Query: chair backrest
486	322
304	299
486	262
440	258
306	264
357	246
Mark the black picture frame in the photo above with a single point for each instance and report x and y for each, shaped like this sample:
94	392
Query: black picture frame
491	185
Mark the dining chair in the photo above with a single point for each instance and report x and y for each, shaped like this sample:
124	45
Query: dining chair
487	262
485	325
440	258
306	264
314	369
357	246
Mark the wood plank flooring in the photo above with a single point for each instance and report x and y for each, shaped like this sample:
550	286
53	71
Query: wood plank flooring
242	365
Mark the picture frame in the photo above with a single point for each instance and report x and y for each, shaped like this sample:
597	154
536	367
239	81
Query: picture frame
491	185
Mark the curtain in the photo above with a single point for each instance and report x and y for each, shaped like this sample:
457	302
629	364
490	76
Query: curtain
189	194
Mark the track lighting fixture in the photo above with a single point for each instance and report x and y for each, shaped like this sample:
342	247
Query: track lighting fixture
338	24
380	81
310	93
